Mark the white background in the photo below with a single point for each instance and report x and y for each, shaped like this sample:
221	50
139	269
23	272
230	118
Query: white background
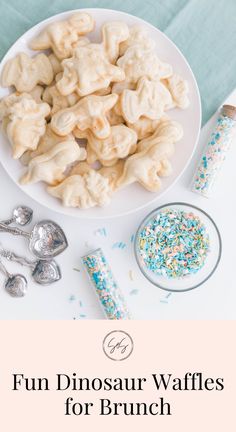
74	298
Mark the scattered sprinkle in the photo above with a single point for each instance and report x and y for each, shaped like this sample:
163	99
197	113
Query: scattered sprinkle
82	315
134	292
163	301
76	269
101	232
119	245
80	304
131	275
174	243
132	238
72	298
168	295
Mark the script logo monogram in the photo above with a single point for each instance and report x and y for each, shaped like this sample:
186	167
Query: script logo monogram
118	345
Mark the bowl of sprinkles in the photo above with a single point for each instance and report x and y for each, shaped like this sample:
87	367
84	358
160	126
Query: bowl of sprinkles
178	247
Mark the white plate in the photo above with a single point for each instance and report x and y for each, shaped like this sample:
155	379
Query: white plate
133	197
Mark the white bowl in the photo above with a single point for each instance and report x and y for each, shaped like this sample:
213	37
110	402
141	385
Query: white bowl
134	197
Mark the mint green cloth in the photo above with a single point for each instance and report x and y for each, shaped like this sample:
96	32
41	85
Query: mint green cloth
204	30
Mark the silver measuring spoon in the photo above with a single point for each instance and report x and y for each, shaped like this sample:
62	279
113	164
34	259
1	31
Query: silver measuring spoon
46	240
21	215
15	284
44	272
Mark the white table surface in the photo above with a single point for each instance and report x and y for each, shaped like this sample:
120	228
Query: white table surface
74	298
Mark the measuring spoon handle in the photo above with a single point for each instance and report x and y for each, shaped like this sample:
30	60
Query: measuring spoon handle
13	231
11	256
8	221
3	270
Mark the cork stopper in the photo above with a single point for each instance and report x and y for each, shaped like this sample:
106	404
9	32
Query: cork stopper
229	111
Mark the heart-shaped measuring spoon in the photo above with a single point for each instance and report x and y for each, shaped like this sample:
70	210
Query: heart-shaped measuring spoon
21	215
15	284
46	240
44	272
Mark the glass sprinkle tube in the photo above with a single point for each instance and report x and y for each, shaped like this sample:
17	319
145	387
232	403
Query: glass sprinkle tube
109	294
215	152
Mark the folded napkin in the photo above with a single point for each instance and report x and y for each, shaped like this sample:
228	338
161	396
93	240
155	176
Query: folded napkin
205	31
